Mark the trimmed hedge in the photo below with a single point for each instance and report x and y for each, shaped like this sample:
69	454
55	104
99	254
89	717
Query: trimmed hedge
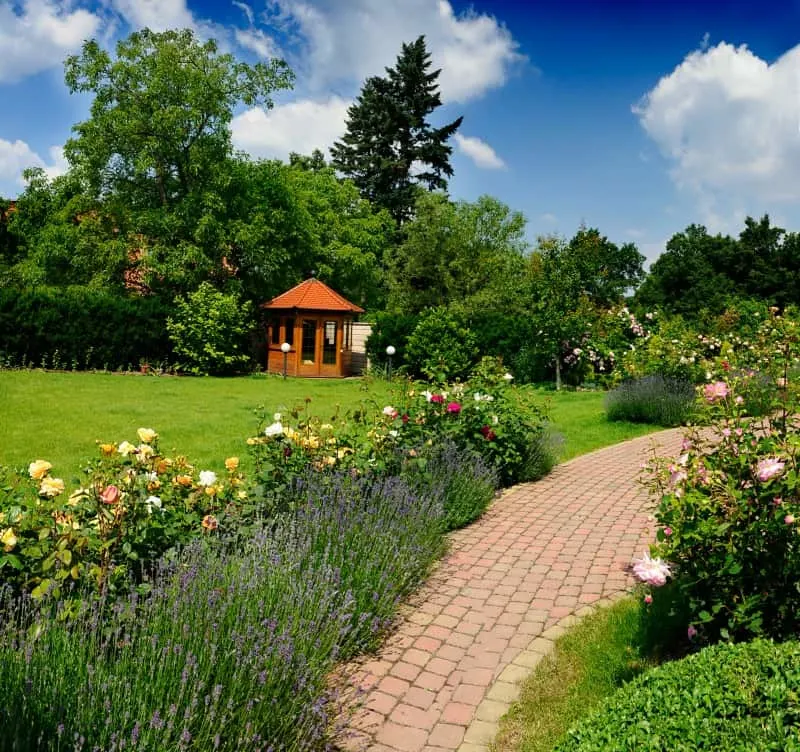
738	698
81	328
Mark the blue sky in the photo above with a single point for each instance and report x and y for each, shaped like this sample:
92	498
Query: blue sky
638	117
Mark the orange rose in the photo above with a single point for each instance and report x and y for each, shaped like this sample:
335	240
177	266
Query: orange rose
232	463
210	522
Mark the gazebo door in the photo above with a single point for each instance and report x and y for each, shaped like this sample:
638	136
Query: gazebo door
330	346
309	361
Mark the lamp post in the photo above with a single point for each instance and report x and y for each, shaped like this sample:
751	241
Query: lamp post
390	351
285	347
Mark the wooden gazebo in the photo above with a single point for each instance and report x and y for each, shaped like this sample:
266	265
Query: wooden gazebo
317	323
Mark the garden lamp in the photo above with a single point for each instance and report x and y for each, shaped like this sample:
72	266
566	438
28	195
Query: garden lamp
285	347
389	352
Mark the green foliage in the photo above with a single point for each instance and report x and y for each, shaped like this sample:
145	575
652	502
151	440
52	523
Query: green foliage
390	329
461	253
388	133
702	274
440	347
652	399
81	328
732	697
728	515
209	331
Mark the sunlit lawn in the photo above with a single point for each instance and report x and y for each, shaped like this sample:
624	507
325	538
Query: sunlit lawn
60	416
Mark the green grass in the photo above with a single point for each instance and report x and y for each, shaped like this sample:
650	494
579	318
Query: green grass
589	663
581	418
60	416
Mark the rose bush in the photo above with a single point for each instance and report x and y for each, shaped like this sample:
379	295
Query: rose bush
728	517
134	506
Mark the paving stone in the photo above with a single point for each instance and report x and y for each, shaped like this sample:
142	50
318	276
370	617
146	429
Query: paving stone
512	583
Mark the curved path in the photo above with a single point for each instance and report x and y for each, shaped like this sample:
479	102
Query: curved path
542	552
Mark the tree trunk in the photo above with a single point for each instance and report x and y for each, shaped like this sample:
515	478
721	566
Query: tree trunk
558	374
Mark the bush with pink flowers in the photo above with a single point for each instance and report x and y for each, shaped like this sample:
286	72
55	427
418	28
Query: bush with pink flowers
728	531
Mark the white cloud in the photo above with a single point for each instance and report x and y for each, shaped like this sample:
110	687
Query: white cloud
157	15
16	156
39	34
299	126
728	122
479	152
350	40
256	41
549	218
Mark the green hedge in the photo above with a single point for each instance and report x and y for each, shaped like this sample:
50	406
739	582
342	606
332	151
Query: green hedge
81	328
738	698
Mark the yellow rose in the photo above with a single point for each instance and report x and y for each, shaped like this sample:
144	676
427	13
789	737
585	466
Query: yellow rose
211	491
39	469
8	539
145	452
242	494
146	435
326	427
329	460
232	463
108	449
51	487
126	448
343	452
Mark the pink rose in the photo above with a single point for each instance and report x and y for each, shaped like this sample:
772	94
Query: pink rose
668	531
437	399
789	519
454	407
769	468
110	495
691	632
648	599
716	391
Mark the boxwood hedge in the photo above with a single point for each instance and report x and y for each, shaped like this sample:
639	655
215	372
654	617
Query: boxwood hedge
743	697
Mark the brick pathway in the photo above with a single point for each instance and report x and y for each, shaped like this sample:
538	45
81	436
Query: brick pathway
542	552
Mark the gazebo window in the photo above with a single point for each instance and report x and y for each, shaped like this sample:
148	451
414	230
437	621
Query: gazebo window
275	325
309	341
348	334
289	331
329	344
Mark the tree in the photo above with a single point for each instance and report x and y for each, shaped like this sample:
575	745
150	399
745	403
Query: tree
605	269
155	155
559	303
389	148
468	253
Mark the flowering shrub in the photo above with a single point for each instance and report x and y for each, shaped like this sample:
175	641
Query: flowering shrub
730	504
486	415
135	505
652	399
727	697
231	648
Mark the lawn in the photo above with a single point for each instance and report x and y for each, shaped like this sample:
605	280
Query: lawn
60	416
589	663
581	419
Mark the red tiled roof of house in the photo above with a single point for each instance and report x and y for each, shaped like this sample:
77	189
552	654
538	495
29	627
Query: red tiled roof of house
313	295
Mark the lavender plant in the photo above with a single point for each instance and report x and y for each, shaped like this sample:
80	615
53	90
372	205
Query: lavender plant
653	399
229	648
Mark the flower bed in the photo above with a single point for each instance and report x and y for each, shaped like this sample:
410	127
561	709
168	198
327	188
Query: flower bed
207	612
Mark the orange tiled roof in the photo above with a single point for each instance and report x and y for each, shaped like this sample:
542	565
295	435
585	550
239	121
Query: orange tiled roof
313	295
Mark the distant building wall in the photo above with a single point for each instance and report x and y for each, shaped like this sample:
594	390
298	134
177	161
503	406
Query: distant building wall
361	330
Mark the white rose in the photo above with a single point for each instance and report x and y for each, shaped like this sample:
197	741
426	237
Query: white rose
207	478
152	501
276	429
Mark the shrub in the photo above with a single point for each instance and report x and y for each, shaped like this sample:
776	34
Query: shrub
210	331
228	648
729	510
389	329
135	504
81	328
461	478
653	399
441	348
731	697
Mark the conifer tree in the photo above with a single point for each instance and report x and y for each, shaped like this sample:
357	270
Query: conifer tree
390	149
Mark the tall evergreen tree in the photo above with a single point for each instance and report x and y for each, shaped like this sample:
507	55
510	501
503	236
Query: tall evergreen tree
390	148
